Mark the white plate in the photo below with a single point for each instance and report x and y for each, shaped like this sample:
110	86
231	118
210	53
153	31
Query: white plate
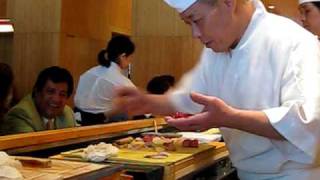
203	138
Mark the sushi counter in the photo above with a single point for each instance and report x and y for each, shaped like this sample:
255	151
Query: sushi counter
124	150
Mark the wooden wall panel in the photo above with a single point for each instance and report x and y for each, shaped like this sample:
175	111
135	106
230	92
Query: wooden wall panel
79	54
35	15
62	32
155	18
95	18
6	48
3	8
31	53
85	29
6	40
164	42
120	16
288	8
86	19
36	39
163	55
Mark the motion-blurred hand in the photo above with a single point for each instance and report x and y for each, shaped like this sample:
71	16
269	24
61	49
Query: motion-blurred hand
130	100
213	115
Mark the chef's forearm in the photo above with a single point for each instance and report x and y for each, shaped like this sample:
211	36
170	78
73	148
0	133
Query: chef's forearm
160	105
255	122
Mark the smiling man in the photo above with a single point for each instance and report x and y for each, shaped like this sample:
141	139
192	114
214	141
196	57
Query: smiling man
46	108
257	80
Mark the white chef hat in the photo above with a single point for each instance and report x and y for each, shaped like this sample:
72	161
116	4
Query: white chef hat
305	1
180	5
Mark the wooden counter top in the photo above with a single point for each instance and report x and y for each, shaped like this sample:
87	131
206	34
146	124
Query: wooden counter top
55	138
72	135
192	162
60	169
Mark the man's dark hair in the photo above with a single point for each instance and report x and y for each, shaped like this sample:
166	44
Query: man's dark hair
160	84
55	74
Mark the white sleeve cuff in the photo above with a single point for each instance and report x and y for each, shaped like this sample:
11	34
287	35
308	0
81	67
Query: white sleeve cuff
291	123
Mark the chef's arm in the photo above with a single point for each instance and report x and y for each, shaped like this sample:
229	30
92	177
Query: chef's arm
255	122
158	105
136	102
217	113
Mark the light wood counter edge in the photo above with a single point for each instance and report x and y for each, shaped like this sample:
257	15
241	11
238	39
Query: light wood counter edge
52	136
202	160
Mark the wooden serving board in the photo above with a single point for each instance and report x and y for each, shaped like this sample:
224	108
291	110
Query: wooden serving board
138	156
62	170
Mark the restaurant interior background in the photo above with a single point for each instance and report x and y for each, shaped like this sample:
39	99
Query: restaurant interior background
70	33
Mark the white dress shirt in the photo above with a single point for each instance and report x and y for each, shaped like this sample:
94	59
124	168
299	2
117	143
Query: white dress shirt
274	69
95	88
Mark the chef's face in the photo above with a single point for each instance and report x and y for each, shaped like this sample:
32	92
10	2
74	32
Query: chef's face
50	101
211	24
310	17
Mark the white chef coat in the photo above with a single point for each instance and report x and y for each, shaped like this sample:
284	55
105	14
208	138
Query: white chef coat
95	88
274	69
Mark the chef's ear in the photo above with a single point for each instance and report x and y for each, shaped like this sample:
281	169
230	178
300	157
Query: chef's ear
229	3
229	6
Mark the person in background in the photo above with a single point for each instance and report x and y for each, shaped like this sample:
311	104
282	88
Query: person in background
6	85
94	94
160	84
310	15
45	108
157	85
257	80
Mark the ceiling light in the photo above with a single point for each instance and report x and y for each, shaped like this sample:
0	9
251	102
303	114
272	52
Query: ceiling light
6	26
271	7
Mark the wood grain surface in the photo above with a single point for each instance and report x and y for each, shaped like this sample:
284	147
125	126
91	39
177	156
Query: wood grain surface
60	135
68	170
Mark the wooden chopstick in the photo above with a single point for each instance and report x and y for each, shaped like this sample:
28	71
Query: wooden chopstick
155	126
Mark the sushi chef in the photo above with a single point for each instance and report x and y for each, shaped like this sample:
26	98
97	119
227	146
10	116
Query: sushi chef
257	80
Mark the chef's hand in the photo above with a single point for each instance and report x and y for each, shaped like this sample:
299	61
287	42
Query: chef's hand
130	100
213	115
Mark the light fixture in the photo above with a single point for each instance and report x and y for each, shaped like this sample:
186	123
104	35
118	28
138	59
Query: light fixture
6	26
271	7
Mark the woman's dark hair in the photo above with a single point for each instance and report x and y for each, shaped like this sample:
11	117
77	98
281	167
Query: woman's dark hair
317	4
55	74
116	46
160	84
6	81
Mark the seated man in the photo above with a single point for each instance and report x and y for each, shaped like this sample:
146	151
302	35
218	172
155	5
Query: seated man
46	108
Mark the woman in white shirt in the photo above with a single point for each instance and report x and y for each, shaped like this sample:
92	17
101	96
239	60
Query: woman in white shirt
94	94
310	15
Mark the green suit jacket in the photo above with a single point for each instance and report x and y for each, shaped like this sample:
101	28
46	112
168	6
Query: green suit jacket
24	117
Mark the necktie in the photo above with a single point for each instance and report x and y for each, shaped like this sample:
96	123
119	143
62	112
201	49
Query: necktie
50	124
